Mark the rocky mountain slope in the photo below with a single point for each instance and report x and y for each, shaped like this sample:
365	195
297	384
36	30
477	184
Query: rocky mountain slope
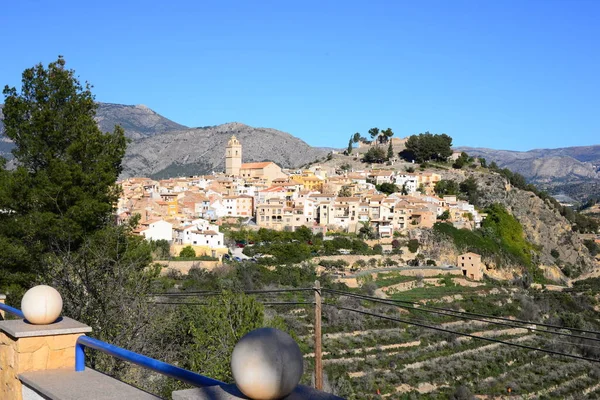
162	148
202	150
138	121
571	170
543	225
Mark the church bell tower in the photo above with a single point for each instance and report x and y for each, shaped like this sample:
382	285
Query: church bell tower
233	157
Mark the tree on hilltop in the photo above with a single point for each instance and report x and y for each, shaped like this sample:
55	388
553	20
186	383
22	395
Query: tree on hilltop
374	132
427	147
375	155
386	135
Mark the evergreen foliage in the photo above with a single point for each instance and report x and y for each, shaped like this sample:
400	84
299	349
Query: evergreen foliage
375	154
63	189
446	187
428	147
387	188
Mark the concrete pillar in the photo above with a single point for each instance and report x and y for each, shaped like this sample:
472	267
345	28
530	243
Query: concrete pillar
25	347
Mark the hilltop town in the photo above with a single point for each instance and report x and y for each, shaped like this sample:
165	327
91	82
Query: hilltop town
188	211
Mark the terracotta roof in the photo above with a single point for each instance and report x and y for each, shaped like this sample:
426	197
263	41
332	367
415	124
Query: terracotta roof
256	165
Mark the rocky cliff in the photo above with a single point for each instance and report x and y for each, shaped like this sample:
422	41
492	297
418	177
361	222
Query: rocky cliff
543	226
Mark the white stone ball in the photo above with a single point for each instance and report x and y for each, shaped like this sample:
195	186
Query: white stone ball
266	364
41	305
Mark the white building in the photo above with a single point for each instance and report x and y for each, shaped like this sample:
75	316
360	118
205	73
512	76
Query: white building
408	181
156	229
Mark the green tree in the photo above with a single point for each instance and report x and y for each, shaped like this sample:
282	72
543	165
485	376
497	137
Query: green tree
446	187
375	155
356	137
366	231
421	189
64	188
374	132
462	160
345	192
187	252
105	284
413	245
469	187
482	162
349	150
387	188
390	151
444	216
216	329
426	146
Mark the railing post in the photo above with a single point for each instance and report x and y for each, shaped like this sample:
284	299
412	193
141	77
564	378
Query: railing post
79	357
318	350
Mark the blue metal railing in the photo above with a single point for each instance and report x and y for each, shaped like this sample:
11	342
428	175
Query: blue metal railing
155	365
12	310
161	367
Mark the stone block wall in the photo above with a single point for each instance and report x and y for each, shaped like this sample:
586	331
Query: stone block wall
18	355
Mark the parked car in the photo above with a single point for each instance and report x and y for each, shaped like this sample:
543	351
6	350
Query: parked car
236	258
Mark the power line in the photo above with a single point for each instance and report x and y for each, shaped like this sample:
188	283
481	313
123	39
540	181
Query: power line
454	314
269	303
421	306
463	334
215	292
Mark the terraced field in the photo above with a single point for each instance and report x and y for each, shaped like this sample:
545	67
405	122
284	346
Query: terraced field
366	357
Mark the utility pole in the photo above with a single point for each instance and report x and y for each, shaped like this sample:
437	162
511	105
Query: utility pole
318	354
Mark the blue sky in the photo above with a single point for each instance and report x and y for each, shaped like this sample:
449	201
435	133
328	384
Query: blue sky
503	74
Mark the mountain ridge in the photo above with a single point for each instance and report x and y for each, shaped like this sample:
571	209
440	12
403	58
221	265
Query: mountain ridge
161	147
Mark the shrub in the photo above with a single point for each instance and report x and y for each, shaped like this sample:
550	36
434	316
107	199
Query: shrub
187	252
413	245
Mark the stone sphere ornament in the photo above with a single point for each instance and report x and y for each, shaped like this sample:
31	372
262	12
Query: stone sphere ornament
266	364
41	305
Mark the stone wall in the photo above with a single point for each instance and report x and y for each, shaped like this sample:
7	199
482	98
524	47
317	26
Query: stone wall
185	266
32	354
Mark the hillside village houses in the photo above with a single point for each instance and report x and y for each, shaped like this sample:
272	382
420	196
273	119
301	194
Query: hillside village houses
189	210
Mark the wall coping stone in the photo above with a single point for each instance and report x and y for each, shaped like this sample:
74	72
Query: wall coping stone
22	329
231	392
64	384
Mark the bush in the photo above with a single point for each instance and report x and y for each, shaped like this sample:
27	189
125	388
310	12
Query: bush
333	264
413	245
431	262
187	252
378	249
375	155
